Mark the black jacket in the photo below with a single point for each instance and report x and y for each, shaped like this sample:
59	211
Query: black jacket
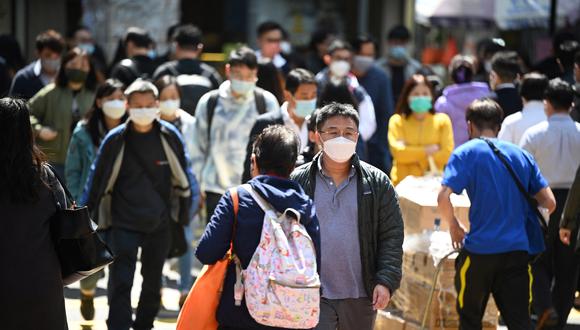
26	83
380	223
509	99
263	121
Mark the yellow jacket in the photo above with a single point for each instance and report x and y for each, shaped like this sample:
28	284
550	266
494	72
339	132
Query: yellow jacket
408	138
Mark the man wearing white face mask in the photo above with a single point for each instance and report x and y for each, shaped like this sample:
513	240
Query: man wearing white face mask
360	221
378	85
224	118
300	95
140	187
339	60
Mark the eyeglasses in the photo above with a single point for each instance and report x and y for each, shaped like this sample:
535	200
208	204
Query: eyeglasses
348	133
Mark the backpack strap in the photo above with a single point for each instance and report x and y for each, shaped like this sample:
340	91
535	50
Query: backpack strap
211	105
236	203
260	100
173	69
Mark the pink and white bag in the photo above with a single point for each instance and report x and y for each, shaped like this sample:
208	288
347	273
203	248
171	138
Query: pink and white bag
281	283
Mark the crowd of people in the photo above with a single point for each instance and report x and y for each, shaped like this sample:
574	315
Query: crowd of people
149	143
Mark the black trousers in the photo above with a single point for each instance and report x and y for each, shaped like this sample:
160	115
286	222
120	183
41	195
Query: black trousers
556	271
125	245
507	276
211	202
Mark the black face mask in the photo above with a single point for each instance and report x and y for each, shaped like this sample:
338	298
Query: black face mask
76	75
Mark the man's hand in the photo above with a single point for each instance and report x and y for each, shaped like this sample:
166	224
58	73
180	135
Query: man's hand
457	232
47	134
565	235
431	149
381	297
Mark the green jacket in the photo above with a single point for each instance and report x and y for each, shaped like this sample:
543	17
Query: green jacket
380	223
52	107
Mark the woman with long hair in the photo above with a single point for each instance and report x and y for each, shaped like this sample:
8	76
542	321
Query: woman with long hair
418	134
30	280
58	107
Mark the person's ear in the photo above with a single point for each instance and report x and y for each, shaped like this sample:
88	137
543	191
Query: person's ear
327	59
200	48
312	136
318	139
99	103
288	97
254	169
227	71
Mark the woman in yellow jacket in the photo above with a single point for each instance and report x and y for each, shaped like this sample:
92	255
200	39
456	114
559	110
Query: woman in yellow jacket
416	132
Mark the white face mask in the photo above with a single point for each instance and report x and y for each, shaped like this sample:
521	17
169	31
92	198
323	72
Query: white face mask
339	149
143	116
169	107
339	69
114	109
242	87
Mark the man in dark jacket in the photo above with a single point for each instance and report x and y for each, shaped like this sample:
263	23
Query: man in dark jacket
138	64
360	221
276	151
505	71
139	183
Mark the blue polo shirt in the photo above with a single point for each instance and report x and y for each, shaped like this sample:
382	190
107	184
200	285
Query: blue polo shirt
501	220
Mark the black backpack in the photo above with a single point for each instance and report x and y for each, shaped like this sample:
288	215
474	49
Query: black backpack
131	68
193	87
213	99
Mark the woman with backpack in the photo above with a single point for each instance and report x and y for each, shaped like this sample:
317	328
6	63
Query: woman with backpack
273	159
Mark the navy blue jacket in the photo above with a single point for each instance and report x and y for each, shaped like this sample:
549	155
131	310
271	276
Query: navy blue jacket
378	85
215	242
26	83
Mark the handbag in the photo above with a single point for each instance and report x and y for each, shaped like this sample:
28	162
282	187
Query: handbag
80	249
200	307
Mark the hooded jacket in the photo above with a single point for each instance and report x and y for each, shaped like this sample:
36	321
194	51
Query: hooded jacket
454	102
215	242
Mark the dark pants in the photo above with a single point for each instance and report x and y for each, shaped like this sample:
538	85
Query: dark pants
346	314
211	202
154	248
505	275
556	272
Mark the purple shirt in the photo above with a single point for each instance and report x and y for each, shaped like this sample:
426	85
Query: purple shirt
454	102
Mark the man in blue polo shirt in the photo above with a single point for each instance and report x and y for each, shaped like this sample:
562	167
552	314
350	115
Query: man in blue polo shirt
503	229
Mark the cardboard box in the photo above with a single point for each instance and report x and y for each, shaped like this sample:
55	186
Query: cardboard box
418	201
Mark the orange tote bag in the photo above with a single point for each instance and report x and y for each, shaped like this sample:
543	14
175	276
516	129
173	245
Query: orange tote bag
200	307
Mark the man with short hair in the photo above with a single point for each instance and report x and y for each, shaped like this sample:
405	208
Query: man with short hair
339	62
555	144
194	77
360	221
378	85
532	90
33	77
565	58
138	64
270	37
504	230
300	95
399	63
505	71
139	184
224	119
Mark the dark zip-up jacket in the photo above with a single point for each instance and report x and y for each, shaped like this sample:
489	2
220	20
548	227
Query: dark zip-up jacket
380	223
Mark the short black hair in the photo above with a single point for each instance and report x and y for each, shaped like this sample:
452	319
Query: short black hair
138	36
338	44
362	39
298	77
311	121
187	36
268	26
276	150
485	114
533	86
560	94
565	53
505	65
399	32
243	56
50	39
336	110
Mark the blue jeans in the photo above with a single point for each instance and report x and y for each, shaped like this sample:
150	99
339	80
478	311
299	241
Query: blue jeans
186	261
154	249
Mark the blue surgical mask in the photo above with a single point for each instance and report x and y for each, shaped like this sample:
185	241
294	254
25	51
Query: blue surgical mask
242	87
398	52
87	47
305	108
420	104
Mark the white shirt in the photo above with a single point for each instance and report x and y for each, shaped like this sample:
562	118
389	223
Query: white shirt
555	144
278	60
301	131
514	125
